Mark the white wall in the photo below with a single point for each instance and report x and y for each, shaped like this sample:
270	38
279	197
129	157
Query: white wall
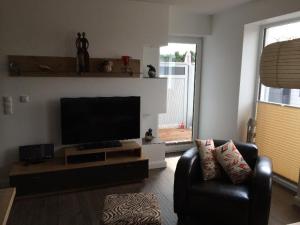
248	79
114	28
222	53
185	23
151	56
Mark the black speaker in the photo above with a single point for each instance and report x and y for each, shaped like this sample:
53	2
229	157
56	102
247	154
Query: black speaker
36	153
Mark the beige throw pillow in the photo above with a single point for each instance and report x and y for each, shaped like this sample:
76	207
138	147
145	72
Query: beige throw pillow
233	162
209	164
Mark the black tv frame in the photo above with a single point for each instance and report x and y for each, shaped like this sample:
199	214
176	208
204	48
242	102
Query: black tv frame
85	143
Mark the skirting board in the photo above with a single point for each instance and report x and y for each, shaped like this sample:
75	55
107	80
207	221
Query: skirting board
157	165
297	200
289	186
178	147
285	183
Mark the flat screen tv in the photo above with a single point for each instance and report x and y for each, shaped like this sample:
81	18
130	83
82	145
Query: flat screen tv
97	119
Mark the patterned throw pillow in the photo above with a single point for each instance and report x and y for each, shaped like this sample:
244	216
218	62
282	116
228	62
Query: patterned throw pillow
233	162
209	164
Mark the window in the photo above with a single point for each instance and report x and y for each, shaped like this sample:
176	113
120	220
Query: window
281	95
277	130
166	69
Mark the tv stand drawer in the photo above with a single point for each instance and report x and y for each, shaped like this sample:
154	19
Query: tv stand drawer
69	179
100	156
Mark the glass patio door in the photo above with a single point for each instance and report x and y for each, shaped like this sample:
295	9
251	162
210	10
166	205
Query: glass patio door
177	64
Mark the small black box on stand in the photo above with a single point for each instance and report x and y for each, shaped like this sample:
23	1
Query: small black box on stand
36	153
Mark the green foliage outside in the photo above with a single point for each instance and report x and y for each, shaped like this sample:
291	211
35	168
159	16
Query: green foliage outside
177	57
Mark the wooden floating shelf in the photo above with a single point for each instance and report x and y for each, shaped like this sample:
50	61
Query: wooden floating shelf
111	74
47	66
79	75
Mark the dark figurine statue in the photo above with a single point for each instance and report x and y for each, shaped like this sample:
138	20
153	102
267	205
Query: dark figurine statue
150	132
83	58
79	58
151	71
148	135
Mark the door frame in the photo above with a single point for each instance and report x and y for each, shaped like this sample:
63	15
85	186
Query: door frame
181	146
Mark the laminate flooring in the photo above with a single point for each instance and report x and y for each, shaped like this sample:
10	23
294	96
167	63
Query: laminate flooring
85	207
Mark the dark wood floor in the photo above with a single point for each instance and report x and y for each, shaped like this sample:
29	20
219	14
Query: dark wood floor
84	208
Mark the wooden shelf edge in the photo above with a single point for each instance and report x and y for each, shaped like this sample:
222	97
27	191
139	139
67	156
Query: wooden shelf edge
81	75
155	78
7	196
59	165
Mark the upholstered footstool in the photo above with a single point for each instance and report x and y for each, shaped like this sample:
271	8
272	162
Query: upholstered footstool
131	209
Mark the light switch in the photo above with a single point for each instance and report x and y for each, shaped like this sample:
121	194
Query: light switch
7	105
24	99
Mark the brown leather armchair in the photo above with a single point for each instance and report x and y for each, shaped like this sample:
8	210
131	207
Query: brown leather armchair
219	201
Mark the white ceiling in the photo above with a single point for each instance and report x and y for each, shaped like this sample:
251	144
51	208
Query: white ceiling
201	6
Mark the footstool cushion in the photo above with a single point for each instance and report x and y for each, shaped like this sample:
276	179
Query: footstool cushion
131	209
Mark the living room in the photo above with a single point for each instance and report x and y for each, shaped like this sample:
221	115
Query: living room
227	36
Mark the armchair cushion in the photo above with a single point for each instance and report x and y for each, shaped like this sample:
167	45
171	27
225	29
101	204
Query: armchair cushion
233	162
220	201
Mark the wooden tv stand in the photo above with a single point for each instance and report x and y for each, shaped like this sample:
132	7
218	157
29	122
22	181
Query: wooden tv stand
115	165
126	151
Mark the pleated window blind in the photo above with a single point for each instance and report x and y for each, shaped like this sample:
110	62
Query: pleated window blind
278	136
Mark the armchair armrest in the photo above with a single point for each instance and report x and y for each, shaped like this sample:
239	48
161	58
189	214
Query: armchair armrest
188	169
261	189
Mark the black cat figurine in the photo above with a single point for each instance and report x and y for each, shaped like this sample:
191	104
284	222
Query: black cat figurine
151	71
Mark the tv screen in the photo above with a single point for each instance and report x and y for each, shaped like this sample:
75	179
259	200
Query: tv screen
96	119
